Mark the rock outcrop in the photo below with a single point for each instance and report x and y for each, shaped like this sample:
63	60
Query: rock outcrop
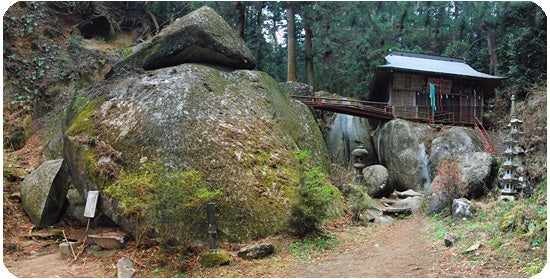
201	36
402	152
43	192
236	129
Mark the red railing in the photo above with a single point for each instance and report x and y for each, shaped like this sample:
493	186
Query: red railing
354	107
489	147
380	110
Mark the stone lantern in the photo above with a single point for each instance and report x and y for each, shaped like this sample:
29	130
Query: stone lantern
359	157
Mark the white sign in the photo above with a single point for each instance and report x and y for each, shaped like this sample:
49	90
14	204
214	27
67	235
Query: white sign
91	203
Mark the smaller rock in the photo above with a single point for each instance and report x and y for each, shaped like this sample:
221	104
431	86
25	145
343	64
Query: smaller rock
257	251
125	268
387	201
370	215
215	258
75	205
397	211
462	209
376	181
408	193
472	248
43	192
108	241
450	239
68	249
384	220
414	203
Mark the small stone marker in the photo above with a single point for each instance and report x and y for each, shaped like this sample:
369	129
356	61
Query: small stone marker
66	250
125	268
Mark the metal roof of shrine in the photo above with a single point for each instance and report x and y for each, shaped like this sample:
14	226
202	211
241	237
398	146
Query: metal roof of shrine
434	64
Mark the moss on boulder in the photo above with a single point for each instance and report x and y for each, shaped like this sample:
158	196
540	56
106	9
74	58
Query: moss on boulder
215	258
237	128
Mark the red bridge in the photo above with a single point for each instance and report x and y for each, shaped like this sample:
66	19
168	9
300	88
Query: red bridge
384	111
366	109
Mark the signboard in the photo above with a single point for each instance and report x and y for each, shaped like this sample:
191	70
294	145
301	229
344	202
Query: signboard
91	203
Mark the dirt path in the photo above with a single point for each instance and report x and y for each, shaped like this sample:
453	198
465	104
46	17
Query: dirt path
401	250
51	266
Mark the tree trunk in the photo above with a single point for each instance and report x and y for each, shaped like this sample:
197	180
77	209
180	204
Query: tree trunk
291	44
493	59
259	36
241	19
309	55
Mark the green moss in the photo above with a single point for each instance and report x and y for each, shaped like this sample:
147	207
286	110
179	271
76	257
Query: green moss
215	258
83	122
172	201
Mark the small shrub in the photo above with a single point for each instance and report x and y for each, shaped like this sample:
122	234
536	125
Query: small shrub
316	195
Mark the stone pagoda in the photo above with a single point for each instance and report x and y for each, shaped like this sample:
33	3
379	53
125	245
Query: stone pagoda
511	181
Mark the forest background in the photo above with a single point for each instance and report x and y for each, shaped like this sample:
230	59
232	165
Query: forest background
334	46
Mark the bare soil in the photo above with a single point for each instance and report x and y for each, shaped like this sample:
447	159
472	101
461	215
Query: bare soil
401	250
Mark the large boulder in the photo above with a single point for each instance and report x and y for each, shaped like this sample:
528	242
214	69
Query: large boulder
401	151
188	134
467	175
201	36
453	141
346	133
43	192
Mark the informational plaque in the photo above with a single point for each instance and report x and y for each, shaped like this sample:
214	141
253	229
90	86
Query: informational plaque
91	203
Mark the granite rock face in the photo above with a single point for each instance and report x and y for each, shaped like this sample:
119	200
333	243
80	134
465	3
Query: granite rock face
235	131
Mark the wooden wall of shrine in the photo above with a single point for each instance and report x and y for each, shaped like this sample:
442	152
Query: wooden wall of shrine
454	98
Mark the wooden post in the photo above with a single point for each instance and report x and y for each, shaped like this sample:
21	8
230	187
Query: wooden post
212	227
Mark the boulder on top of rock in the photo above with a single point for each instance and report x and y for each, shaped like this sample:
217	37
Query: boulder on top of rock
43	192
297	88
202	36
